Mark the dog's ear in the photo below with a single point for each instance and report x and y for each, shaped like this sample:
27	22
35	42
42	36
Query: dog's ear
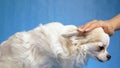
71	34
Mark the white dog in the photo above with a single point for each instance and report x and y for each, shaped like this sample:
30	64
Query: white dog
53	46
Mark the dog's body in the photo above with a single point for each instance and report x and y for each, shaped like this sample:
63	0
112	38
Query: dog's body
53	46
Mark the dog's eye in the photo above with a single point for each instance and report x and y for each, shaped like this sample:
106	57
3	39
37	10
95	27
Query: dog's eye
75	44
101	48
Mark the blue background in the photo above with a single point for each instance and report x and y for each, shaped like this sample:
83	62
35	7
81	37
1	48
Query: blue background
22	15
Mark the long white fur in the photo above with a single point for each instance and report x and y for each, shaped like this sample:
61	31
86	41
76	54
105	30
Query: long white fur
49	46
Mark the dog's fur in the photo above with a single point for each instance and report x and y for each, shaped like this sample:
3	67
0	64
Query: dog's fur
53	46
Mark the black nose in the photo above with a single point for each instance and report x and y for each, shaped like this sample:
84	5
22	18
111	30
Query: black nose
108	57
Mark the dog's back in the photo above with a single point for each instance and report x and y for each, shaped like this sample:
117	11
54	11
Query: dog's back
31	49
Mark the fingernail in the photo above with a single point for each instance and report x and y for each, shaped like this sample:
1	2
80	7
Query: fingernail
80	29
87	29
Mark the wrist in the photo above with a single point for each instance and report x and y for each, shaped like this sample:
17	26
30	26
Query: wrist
112	24
115	22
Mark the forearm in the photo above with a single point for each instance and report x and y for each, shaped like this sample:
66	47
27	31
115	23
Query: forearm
115	22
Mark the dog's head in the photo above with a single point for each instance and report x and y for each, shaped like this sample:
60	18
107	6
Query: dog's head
95	43
98	50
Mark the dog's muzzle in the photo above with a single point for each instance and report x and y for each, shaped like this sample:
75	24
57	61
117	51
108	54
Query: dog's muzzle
108	58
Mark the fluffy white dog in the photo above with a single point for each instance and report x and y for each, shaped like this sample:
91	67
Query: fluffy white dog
53	46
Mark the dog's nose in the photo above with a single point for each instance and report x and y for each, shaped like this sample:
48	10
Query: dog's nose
108	57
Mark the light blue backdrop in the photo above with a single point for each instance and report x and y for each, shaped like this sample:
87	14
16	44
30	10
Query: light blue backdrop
21	15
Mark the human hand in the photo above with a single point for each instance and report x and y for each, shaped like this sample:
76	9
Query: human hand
107	27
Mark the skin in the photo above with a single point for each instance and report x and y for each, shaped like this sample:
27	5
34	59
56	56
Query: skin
109	26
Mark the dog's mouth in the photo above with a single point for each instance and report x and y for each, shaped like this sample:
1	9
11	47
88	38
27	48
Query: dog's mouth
99	59
108	58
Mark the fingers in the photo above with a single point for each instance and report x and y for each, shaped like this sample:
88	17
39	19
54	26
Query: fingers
89	26
80	29
95	24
